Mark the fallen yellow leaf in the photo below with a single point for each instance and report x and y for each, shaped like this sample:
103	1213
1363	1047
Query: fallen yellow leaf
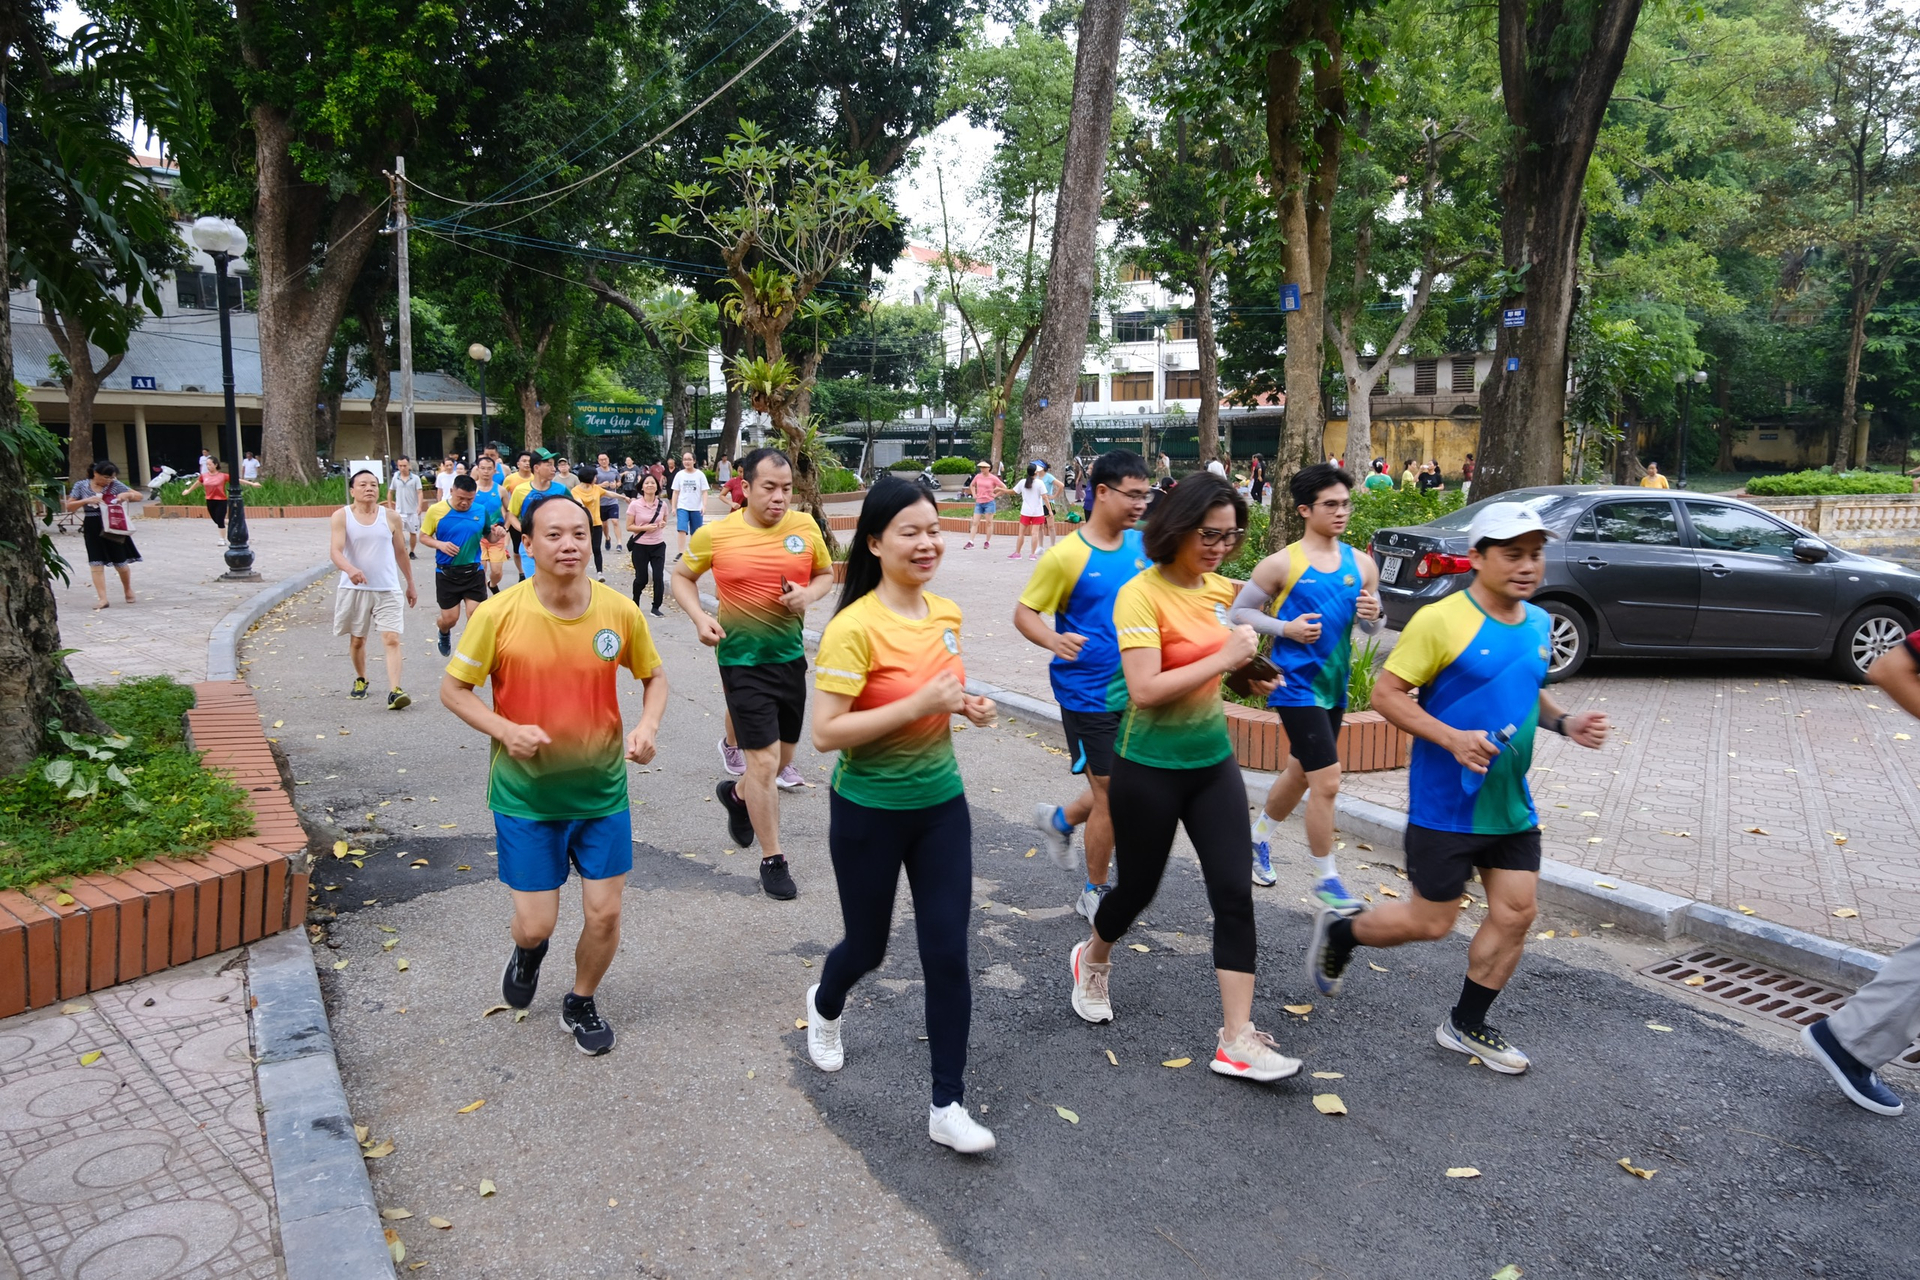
1138	946
1758	831
340	964
1508	1272
401	964
1388	893
279	724
384	1149
395	1215
1298	1008
1031	852
394	1244
612	1203
1329	1104
1176	1063
62	899
339	848
390	944
441	1223
1605	884
448	826
486	1186
519	1015
75	1006
90	1057
1638	1173
1017	911
418	862
1377	968
360	1132
497	1008
1543	934
1066	1115
1903	737
1463	1171
1329	1075
471	1107
1845	913
1745	910
801	1023
1110	1058
1697	980
1658	1026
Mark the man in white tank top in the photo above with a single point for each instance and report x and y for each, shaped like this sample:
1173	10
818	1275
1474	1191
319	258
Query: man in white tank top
371	552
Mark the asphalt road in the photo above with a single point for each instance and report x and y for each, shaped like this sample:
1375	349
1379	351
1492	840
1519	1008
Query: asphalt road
727	1153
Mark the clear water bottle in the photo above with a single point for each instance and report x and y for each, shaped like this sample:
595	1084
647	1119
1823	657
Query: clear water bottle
1471	782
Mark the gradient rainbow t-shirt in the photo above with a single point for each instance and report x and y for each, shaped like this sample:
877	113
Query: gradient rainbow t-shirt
1186	624
748	563
874	656
561	674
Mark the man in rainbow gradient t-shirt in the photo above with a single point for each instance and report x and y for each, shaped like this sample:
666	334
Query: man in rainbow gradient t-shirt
553	646
769	563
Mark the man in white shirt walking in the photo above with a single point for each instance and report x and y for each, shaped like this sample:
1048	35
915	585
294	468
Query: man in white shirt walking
403	495
689	499
250	467
371	555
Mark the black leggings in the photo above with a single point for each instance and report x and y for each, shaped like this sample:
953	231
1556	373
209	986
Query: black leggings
649	556
1146	804
217	511
935	844
597	535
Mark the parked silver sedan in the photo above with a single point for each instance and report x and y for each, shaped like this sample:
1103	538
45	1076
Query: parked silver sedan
1657	573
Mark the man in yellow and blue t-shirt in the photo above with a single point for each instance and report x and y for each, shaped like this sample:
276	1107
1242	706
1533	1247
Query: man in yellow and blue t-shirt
557	780
1076	582
769	563
1479	661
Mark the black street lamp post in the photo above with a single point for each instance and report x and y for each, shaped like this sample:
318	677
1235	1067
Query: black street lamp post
1687	383
223	241
480	355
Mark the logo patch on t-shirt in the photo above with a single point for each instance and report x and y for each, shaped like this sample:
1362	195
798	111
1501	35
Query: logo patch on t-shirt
1220	612
951	640
606	643
1346	579
795	543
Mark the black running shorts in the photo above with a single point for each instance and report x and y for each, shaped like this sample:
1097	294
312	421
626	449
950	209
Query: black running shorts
767	702
1313	735
457	582
1439	863
1090	736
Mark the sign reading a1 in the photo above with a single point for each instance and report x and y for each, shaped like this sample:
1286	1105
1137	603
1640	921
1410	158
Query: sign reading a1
1513	317
142	382
595	419
1289	297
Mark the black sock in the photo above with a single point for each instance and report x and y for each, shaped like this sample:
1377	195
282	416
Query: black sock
1471	1013
1340	939
531	956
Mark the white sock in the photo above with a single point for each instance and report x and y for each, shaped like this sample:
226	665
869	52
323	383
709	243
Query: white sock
1323	868
1263	827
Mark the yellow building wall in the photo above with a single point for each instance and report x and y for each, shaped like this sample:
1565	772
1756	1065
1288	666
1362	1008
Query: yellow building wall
1445	439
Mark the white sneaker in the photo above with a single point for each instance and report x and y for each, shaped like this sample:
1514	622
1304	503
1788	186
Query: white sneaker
823	1036
1252	1055
1059	846
1090	987
1088	903
951	1126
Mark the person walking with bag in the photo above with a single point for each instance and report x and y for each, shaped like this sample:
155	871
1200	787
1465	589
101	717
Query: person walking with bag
647	518
104	527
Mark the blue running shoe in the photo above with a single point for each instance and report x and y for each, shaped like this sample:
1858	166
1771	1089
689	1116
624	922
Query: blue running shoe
1263	863
1334	895
1855	1079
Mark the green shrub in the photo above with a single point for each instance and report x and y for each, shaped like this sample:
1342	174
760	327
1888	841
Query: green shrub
330	492
1800	484
906	464
838	480
953	466
104	802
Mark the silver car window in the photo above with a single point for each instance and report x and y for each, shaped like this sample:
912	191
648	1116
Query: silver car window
1726	528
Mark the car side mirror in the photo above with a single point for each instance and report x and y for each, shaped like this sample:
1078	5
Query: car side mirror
1809	550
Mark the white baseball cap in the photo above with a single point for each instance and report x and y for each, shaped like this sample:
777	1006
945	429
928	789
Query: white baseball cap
1505	521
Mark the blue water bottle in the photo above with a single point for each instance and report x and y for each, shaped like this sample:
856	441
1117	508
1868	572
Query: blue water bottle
1471	782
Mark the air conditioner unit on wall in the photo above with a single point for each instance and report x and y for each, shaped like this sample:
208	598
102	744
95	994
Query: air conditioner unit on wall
192	386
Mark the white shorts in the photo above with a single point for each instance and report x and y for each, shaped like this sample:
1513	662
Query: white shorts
410	522
360	612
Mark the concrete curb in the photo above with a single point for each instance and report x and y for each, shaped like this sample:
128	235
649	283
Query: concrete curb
223	659
329	1225
1645	910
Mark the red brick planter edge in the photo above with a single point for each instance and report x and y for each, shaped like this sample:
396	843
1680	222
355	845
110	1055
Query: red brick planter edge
1368	743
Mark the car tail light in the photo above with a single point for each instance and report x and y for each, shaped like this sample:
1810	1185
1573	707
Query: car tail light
1438	564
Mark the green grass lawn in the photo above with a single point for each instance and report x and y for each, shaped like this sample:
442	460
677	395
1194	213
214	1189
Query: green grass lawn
103	803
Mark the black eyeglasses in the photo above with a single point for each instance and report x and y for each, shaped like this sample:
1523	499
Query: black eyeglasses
1214	537
1132	495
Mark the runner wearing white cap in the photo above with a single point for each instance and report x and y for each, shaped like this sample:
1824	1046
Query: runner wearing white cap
1479	660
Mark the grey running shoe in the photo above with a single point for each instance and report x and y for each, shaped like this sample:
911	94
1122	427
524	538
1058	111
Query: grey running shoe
1088	903
1058	844
1485	1043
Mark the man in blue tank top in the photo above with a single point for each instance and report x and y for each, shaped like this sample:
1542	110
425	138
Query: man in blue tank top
1307	596
1076	582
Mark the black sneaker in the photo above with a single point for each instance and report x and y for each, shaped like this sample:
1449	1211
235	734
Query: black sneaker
397	700
1854	1077
739	824
776	880
592	1034
446	644
522	977
359	689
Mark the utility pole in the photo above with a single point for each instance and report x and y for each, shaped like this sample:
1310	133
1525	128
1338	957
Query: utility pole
400	225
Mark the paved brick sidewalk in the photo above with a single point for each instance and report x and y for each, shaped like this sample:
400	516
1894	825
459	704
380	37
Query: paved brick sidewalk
130	1136
179	593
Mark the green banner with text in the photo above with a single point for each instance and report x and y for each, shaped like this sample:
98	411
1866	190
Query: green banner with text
595	419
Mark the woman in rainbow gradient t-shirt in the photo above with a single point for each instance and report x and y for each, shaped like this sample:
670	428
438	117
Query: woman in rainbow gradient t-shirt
888	683
1173	762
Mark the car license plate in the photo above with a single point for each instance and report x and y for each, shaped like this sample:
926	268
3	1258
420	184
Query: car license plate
1390	568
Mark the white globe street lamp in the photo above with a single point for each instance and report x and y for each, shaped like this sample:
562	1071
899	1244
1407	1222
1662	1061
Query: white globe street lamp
223	241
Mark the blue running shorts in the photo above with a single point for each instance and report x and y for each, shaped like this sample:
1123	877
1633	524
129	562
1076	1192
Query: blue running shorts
534	855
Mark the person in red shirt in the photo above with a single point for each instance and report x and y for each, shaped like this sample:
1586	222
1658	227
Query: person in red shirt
736	490
985	488
214	481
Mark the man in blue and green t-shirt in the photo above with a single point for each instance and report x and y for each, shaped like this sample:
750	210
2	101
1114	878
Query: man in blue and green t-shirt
453	529
1479	661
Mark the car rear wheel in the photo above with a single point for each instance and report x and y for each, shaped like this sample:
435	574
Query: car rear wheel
1570	643
1869	633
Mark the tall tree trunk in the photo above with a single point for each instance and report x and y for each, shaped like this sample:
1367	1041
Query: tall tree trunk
301	302
382	361
1865	278
533	414
1555	104
732	339
1208	423
82	383
1303	187
1047	430
1723	395
38	687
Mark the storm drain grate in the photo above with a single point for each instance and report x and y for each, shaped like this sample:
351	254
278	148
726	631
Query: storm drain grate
1758	989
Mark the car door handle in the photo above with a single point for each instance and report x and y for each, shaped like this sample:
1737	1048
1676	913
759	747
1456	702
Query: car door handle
1718	570
1593	562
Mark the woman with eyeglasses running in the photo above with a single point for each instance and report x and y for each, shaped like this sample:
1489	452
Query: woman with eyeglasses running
888	682
1174	763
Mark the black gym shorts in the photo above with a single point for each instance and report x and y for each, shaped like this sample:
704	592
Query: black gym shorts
457	582
1313	735
766	701
1090	736
1439	863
